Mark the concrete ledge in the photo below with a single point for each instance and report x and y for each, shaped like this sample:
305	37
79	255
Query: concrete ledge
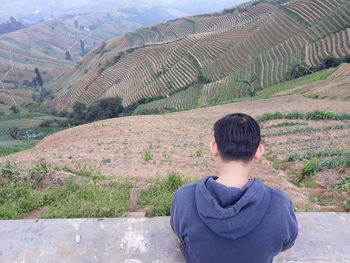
324	237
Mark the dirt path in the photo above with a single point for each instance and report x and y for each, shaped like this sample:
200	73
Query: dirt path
175	142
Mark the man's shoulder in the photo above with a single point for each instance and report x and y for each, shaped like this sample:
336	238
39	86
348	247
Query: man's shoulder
184	197
279	195
280	202
186	189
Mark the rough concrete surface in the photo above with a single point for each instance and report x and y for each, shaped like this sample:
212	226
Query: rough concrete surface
324	237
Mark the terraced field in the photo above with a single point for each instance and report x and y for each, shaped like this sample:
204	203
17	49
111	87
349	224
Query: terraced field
204	60
335	87
44	45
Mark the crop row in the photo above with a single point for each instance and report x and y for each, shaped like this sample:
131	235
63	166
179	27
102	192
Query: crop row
328	152
275	30
209	48
180	100
336	45
314	10
335	21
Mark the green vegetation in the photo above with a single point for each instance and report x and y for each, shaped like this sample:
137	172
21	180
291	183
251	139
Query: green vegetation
147	156
21	132
320	75
8	147
35	189
275	162
306	130
40	190
315	161
260	94
85	171
343	184
286	124
346	203
99	110
157	198
320	200
314	96
312	115
294	15
318	154
198	153
297	70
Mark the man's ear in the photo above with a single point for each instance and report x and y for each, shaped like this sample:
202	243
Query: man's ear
214	148
259	152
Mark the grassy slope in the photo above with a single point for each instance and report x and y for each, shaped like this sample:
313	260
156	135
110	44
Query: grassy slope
24	121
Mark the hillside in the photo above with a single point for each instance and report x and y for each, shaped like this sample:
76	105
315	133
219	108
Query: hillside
146	146
207	59
44	45
335	87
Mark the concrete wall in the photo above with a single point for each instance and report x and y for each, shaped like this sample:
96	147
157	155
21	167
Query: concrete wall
324	237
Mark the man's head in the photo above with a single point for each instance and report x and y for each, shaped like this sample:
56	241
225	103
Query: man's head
237	138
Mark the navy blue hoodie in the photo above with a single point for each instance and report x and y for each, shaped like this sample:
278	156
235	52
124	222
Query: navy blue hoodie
219	224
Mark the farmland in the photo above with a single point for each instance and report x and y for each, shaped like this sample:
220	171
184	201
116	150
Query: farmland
28	126
204	60
190	71
140	148
44	45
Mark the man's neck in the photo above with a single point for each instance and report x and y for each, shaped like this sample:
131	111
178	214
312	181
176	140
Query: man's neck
234	174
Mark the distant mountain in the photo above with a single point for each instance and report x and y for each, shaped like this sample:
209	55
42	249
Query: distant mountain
211	58
10	26
54	45
37	10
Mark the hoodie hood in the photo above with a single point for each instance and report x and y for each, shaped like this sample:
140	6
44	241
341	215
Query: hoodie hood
228	211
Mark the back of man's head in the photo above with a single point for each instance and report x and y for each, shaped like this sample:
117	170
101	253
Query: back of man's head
237	137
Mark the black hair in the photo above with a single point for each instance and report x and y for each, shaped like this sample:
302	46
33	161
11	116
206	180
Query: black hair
237	137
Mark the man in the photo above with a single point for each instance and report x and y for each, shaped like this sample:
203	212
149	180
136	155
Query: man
233	217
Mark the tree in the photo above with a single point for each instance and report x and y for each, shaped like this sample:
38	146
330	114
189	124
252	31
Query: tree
104	109
330	62
249	82
41	95
68	55
12	25
14	109
14	133
79	111
82	47
38	78
297	70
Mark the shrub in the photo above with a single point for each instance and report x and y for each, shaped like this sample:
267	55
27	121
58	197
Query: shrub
56	123
148	111
15	109
297	70
158	197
